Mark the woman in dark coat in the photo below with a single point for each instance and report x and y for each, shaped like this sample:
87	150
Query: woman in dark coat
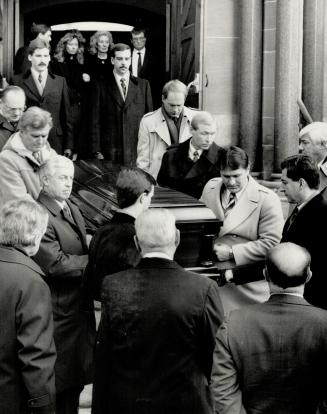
98	61
68	62
27	354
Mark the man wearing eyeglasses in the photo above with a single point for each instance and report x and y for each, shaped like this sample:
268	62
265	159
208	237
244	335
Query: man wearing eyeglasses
12	106
147	63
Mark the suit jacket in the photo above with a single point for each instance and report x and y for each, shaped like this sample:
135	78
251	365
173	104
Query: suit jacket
28	353
54	99
115	122
179	172
112	249
271	358
6	130
155	345
256	217
309	223
153	70
63	257
154	139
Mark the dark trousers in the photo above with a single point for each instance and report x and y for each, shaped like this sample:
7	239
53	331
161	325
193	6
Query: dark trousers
67	401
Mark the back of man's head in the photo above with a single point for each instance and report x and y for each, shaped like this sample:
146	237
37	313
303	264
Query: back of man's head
302	166
288	265
156	231
131	183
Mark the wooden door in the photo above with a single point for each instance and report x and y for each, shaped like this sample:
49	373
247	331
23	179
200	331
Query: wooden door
183	44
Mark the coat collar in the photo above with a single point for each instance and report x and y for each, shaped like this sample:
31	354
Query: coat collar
6	125
160	126
291	299
55	209
115	92
30	84
158	262
247	203
12	255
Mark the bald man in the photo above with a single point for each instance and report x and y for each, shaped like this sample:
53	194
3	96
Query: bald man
313	142
188	166
12	106
272	357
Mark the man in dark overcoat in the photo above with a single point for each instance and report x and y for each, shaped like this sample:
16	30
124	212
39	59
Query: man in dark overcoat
118	104
300	182
27	356
112	248
48	91
157	330
63	257
188	166
272	357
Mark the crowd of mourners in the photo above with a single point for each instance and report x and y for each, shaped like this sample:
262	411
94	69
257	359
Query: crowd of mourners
169	341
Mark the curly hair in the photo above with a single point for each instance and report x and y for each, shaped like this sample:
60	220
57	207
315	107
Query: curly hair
61	46
93	49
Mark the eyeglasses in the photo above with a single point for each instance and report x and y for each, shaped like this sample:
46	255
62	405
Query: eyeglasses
13	110
135	39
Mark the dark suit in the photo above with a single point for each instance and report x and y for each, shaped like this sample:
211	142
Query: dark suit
112	249
27	354
179	172
306	230
54	99
63	257
152	69
115	122
271	358
155	345
6	130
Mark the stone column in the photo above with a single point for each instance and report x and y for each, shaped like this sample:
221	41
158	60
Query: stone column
313	57
250	79
288	78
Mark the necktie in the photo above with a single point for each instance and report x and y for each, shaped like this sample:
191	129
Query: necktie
231	203
66	211
37	156
291	218
40	86
139	63
123	86
196	156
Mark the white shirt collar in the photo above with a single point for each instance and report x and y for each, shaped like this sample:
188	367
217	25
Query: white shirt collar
35	75
192	149
157	254
284	293
118	78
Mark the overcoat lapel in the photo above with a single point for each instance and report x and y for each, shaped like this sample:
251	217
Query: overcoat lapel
29	83
243	208
114	91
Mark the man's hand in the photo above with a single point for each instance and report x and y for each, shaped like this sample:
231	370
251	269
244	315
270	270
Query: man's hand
98	156
223	252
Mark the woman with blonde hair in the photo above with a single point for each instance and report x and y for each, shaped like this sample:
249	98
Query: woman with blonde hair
99	63
68	61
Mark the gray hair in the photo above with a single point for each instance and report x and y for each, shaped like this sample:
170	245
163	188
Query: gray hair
22	221
155	228
52	164
317	131
35	117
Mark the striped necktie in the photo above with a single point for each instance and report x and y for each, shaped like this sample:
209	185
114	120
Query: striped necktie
123	86
231	204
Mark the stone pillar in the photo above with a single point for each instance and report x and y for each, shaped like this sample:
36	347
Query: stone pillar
288	78
313	57
251	79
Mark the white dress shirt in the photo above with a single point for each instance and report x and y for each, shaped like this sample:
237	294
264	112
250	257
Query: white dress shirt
135	59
